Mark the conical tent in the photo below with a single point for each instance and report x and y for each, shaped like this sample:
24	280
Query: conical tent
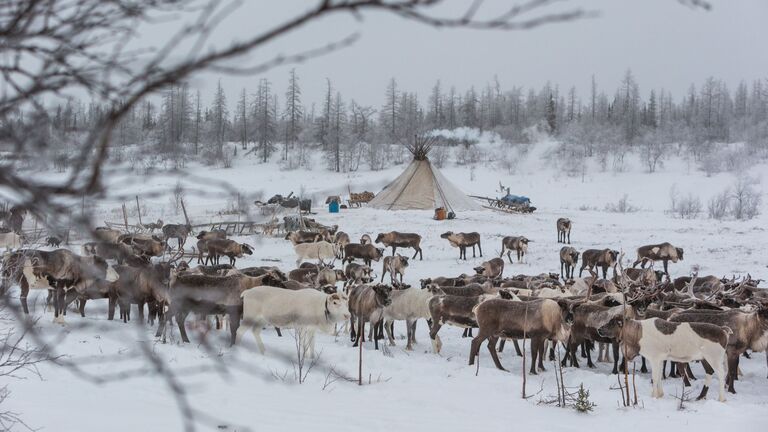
422	187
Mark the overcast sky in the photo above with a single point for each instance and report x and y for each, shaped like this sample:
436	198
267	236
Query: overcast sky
665	43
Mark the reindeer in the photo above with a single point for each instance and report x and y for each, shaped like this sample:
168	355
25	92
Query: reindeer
605	258
512	243
538	320
396	239
492	268
230	248
341	239
394	265
177	231
564	230
569	257
463	241
664	252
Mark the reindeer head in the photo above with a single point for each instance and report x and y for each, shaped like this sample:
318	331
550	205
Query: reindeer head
434	289
383	294
446	234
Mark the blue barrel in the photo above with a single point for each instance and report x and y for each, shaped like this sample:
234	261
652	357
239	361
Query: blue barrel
333	207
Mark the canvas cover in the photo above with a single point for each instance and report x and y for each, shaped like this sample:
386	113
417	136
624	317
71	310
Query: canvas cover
422	187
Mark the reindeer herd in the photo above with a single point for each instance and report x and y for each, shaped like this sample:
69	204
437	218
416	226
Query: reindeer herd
668	323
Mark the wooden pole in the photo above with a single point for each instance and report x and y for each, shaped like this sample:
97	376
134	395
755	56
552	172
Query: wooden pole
184	209
360	330
125	217
138	210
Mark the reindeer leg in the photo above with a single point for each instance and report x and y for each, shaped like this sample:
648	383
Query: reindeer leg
474	349
689	372
180	318
589	358
502	343
492	349
615	346
480	248
234	323
436	343
733	367
534	353
709	371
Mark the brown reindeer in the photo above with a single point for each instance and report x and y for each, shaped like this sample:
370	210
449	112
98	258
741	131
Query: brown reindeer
569	257
143	285
116	251
394	265
588	318
463	241
492	268
454	310
366	304
177	231
357	274
396	239
564	230
208	295
144	244
229	248
514	243
341	240
538	320
664	252
366	252
604	259
202	243
298	237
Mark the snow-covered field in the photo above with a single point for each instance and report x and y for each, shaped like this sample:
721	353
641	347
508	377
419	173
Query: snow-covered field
243	390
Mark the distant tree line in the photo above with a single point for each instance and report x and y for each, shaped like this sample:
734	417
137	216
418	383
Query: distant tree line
603	123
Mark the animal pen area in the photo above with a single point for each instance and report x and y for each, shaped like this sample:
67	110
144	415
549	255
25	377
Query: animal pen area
440	291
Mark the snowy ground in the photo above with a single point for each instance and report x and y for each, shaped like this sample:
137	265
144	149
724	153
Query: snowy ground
408	390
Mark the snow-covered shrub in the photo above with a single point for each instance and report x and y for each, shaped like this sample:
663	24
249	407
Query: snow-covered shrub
508	160
468	154
226	160
745	199
439	155
621	206
687	207
717	207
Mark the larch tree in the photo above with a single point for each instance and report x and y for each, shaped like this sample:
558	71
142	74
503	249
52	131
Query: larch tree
219	120
293	113
389	111
241	119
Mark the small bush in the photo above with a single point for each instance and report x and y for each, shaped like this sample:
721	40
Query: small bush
745	199
717	207
583	404
621	206
439	155
687	207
